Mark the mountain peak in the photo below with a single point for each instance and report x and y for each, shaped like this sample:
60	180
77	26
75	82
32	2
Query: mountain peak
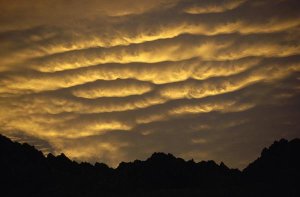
161	156
279	160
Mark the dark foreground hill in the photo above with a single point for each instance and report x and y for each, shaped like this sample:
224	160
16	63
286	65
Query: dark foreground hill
25	171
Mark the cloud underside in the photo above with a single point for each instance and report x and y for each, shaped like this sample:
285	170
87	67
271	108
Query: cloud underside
107	82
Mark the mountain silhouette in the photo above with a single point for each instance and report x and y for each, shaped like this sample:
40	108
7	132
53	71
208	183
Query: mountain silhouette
277	169
25	171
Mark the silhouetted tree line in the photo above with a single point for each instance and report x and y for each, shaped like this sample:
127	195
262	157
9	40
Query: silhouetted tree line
25	171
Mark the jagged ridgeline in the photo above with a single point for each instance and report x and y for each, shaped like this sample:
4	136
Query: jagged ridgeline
25	171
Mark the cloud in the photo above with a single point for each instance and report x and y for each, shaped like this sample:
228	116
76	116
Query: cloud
157	73
117	88
160	22
204	7
211	48
104	81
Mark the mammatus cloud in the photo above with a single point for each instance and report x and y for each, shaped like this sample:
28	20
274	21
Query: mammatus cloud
104	81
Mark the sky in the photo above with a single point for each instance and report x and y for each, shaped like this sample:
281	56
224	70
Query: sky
116	80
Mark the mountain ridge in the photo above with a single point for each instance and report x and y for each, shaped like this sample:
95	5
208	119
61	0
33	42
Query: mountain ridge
26	168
